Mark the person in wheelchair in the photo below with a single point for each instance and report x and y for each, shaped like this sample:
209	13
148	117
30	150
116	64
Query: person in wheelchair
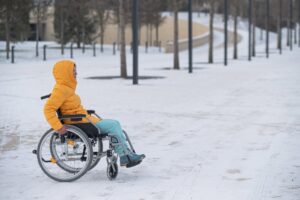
63	97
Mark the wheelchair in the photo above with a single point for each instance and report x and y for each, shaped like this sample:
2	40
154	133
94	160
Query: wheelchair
67	157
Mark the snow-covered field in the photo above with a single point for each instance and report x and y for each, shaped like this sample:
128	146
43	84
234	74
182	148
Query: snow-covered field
230	133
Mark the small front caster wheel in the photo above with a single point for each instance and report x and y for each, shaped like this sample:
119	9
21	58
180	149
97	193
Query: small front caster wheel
112	171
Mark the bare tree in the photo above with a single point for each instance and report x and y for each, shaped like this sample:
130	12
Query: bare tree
279	22
288	23
235	35
103	15
176	32
212	4
150	16
158	19
15	15
40	12
7	27
254	28
123	41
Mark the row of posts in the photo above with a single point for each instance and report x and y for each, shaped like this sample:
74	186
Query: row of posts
83	50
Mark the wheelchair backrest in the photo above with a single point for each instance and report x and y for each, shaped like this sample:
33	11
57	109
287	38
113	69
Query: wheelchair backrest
58	112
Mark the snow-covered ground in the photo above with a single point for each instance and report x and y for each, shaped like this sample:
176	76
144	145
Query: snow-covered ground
230	133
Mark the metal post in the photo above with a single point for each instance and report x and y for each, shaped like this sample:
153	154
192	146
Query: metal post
225	31
267	28
71	50
94	49
44	52
114	48
83	47
146	47
13	54
135	28
249	28
190	37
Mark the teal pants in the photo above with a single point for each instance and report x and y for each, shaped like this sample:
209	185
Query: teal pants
113	127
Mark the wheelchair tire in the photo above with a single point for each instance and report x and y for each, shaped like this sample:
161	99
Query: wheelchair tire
112	171
53	162
97	154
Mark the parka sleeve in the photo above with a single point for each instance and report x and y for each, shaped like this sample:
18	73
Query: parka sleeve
57	98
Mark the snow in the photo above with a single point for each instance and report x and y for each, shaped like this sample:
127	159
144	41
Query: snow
227	133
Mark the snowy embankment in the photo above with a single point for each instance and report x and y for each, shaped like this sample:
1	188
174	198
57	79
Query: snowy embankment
230	133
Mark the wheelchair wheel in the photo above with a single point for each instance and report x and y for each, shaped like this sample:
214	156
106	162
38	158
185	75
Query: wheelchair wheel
65	158
112	170
97	146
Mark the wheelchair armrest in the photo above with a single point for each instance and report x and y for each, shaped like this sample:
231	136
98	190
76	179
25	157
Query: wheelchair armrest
73	117
91	112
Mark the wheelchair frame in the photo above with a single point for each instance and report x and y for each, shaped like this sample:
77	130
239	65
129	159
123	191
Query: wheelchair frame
92	159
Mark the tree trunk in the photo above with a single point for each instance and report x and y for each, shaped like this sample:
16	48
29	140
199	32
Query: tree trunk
235	56
101	33
118	35
7	30
37	33
295	33
147	33
288	26
298	23
291	25
254	29
157	34
102	40
279	32
140	33
123	41
151	35
62	30
211	33
83	39
175	41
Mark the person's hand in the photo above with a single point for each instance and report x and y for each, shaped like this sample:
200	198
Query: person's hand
62	131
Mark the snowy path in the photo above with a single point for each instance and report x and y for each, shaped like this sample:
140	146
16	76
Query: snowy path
230	133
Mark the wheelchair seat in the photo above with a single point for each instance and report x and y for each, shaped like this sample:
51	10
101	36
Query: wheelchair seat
90	130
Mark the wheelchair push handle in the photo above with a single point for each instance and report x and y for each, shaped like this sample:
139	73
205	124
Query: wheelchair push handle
46	96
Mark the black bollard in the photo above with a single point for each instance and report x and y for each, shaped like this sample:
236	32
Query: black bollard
94	49
101	48
71	50
13	54
83	48
146	47
159	46
44	52
131	47
114	48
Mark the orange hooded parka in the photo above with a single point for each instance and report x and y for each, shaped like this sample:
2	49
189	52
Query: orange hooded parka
63	96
